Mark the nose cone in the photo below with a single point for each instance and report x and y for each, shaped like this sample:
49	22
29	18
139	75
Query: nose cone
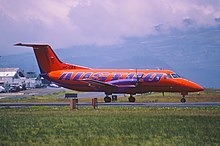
193	87
197	87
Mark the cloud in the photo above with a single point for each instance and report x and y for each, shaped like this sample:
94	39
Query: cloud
95	22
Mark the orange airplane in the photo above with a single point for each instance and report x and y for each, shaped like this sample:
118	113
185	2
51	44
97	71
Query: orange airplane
109	81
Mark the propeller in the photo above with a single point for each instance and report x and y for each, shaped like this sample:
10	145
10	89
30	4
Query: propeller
138	78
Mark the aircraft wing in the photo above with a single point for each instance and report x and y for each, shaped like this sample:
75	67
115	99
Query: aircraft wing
99	83
112	84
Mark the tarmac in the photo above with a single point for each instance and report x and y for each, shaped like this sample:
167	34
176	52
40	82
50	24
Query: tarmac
113	104
44	91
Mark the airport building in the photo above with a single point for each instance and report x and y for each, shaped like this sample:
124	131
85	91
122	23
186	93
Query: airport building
16	77
11	75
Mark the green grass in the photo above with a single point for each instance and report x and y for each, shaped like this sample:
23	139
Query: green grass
110	126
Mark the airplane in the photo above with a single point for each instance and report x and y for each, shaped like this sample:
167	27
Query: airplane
109	81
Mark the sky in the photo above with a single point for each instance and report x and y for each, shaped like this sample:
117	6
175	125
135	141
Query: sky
96	22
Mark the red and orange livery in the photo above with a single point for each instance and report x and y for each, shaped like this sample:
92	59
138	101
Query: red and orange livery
109	81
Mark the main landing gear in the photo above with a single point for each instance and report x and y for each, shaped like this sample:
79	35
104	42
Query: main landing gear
183	99
108	99
131	98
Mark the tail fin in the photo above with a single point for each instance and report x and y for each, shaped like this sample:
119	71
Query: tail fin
47	59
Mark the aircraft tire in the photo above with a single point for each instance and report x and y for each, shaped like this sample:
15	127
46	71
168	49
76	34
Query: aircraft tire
107	99
114	98
131	99
183	100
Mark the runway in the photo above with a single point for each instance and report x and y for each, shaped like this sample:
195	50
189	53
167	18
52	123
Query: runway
113	104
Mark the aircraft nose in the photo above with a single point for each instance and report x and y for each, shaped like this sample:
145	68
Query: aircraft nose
195	87
198	87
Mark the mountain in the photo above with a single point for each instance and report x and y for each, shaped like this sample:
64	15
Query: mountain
194	54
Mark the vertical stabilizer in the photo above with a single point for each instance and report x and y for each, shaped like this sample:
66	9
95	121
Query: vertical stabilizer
47	59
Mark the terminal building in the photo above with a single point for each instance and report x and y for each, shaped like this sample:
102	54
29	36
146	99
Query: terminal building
11	75
15	76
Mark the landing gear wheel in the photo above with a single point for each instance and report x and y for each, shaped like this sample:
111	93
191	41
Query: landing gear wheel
107	99
183	100
131	99
114	98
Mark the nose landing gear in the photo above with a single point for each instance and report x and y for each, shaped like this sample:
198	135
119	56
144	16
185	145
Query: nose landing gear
183	99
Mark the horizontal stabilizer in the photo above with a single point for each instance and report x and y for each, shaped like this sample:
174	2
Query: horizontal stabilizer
31	45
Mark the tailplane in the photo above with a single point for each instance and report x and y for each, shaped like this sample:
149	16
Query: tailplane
47	59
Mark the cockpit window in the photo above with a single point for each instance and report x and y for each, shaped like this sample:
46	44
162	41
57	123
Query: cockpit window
175	76
167	76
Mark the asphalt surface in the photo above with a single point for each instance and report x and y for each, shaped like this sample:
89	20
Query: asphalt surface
82	104
31	92
48	90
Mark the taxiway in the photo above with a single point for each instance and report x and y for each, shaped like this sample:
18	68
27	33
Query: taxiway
82	104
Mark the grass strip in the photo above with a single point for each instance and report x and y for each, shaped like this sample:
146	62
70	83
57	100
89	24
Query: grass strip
110	126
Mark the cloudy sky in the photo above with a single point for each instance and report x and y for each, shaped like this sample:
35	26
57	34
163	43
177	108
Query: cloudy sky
97	22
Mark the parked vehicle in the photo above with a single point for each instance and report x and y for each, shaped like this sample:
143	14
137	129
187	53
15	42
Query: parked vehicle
54	85
14	88
2	89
